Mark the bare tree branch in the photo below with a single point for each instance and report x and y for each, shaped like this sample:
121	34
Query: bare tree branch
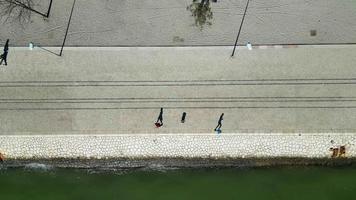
202	13
16	10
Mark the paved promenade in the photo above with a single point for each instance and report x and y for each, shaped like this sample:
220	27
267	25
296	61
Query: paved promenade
101	99
305	89
168	22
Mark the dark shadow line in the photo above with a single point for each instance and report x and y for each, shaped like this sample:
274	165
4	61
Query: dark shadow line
172	98
26	7
49	8
183	107
179	81
159	101
238	34
47	50
208	45
66	33
181	85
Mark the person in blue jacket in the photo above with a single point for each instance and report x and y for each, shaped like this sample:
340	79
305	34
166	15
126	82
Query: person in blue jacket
6	51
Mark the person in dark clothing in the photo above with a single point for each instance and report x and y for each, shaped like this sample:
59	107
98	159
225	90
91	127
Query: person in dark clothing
218	127
159	121
4	55
183	117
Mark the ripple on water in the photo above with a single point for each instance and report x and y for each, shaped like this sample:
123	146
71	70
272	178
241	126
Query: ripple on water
38	167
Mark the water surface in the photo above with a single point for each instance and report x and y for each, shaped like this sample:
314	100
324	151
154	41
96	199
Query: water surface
273	183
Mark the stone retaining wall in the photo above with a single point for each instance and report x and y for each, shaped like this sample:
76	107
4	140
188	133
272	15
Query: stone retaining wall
176	145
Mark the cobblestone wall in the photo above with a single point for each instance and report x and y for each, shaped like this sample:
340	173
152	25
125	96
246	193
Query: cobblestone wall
179	145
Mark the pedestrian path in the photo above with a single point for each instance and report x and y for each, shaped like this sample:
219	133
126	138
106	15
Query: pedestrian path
169	22
121	90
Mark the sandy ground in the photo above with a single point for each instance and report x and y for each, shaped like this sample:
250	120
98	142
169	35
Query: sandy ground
168	22
120	90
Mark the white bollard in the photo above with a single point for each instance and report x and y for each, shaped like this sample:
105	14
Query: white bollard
249	46
30	46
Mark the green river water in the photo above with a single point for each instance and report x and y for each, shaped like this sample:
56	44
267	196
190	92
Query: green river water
215	184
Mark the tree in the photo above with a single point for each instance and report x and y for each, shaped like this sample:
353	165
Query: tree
20	10
201	11
16	10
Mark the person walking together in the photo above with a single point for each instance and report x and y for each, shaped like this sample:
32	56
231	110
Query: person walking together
218	127
4	55
159	121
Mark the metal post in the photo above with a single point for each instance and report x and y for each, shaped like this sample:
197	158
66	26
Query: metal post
238	34
65	36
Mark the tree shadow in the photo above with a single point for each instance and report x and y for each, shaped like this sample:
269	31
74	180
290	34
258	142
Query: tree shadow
20	11
49	51
201	11
12	11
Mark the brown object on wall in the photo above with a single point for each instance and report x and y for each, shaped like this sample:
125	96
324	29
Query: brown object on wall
342	151
335	152
2	157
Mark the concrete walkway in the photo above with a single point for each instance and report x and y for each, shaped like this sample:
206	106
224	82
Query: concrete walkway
120	90
168	22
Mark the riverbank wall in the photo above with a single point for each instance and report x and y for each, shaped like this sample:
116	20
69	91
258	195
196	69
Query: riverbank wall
196	149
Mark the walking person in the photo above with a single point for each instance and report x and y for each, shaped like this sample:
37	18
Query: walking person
183	117
218	127
159	121
4	55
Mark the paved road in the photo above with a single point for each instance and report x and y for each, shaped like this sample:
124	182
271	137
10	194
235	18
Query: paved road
120	90
168	22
